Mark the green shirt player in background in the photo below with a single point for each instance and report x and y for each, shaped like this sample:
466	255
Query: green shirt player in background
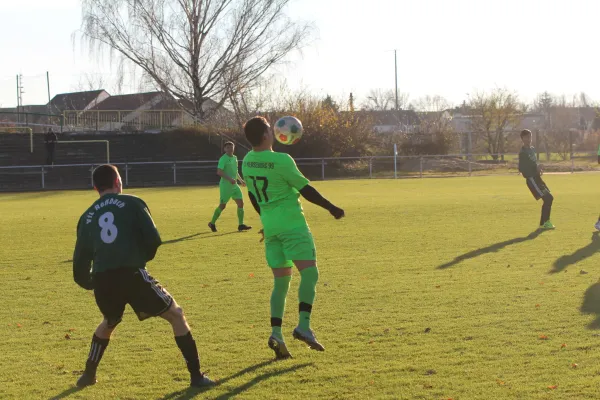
228	187
532	172
116	237
274	187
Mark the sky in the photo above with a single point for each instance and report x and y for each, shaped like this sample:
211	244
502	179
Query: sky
444	47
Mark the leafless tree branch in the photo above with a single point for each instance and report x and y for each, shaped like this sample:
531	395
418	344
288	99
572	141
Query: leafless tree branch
194	50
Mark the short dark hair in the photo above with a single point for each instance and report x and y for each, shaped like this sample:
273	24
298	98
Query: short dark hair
227	144
525	132
254	129
104	177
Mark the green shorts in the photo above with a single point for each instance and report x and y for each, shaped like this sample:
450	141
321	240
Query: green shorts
229	191
296	244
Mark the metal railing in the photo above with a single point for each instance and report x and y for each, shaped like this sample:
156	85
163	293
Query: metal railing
117	120
171	173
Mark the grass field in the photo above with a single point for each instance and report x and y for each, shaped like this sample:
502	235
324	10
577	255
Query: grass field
429	289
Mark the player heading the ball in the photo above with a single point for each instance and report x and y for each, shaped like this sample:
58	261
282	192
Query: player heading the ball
274	186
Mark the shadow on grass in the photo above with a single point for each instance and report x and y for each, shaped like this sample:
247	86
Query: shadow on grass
591	305
35	195
189	237
190	393
66	393
205	235
491	249
579	255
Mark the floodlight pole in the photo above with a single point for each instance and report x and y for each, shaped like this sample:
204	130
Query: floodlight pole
396	76
18	100
48	83
395	161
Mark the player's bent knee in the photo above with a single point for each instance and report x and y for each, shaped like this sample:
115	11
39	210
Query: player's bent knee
107	326
174	313
281	272
222	206
304	264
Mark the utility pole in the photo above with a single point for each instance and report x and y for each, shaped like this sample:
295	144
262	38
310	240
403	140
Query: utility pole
48	83
19	96
396	86
396	75
18	101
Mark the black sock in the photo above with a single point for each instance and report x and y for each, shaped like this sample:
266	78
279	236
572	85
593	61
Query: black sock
96	352
187	345
546	208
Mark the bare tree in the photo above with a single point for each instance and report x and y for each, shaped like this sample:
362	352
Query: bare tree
265	95
433	115
383	100
544	103
493	114
88	82
559	136
563	118
194	50
434	133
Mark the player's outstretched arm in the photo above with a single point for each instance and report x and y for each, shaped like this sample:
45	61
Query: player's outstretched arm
254	202
150	236
82	261
311	194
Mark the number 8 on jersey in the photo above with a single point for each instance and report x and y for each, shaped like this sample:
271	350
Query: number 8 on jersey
109	231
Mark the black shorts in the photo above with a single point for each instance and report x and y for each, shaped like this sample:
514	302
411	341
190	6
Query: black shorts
537	187
114	289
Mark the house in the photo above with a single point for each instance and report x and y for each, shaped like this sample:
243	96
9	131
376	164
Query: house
392	121
135	112
33	116
149	111
531	121
80	101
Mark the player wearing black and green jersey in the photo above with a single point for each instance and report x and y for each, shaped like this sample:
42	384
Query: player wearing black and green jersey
229	189
532	172
274	187
116	237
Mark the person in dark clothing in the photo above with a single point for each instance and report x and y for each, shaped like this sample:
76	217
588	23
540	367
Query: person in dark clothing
50	141
116	237
532	172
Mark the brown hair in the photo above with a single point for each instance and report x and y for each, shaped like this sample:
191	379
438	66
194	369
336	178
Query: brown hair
525	132
104	177
255	128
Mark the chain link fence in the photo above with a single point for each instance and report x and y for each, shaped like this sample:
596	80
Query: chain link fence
182	173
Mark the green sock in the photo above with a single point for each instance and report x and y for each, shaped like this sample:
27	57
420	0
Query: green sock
241	215
216	215
280	289
306	295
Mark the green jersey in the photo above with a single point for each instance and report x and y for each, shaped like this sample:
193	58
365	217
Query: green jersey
274	180
117	231
229	165
528	162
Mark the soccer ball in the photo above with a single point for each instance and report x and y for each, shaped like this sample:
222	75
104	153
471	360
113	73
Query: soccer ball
597	225
288	130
